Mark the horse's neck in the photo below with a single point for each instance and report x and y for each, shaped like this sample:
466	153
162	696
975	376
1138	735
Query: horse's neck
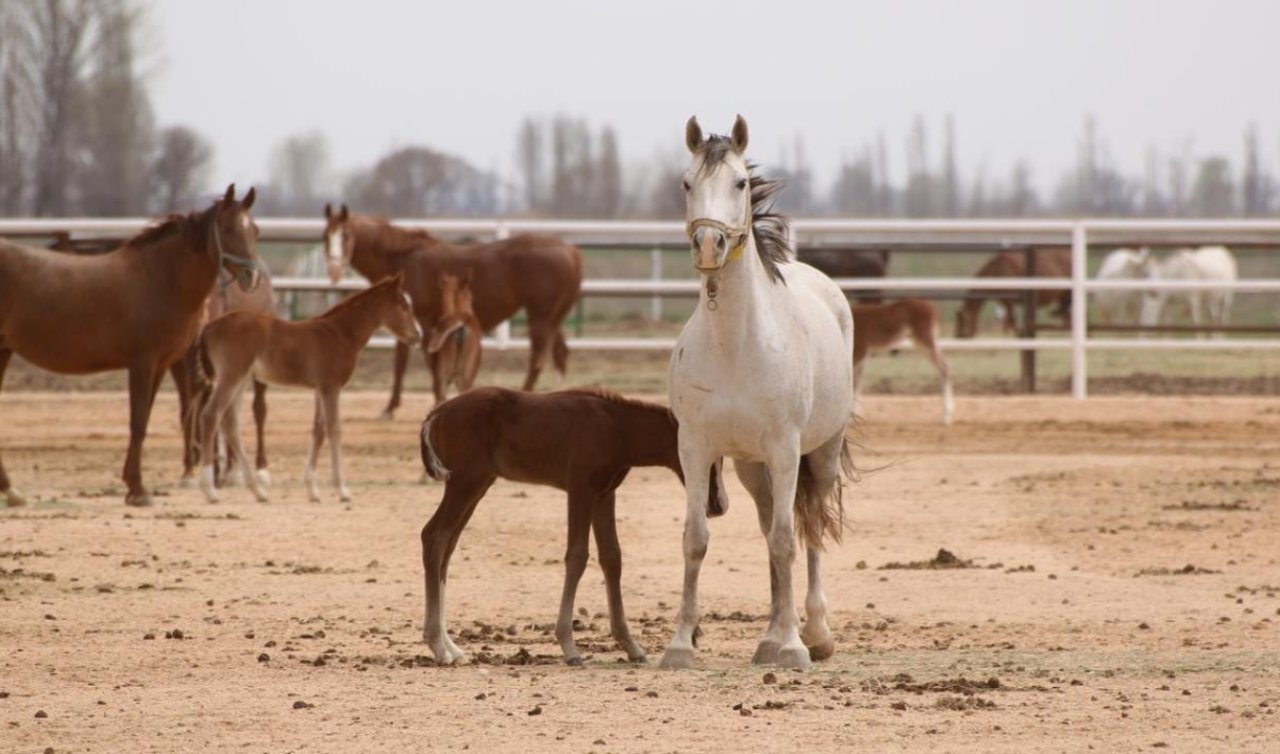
359	318
742	288
187	269
650	437
379	248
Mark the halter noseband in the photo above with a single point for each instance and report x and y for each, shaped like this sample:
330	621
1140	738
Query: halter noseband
735	235
246	266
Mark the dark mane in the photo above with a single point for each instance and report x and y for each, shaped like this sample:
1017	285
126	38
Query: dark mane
771	229
379	233
194	224
609	395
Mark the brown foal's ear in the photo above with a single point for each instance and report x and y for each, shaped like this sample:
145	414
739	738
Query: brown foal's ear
398	279
465	277
345	214
247	203
692	134
328	211
230	196
739	134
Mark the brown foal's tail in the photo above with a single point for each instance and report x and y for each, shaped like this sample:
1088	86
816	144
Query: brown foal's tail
560	353
431	461
819	512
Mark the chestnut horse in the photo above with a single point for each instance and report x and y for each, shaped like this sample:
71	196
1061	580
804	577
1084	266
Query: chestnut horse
881	327
1050	263
540	273
455	340
584	442
319	353
136	308
849	263
187	376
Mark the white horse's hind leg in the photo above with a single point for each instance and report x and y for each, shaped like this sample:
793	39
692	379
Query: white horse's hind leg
755	478
696	462
824	465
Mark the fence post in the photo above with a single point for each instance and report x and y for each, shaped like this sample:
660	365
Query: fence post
502	333
655	273
1079	311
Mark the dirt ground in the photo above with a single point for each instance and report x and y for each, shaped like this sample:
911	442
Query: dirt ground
1122	594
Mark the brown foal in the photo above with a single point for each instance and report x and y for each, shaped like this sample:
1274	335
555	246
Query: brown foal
136	308
455	339
881	327
581	441
319	353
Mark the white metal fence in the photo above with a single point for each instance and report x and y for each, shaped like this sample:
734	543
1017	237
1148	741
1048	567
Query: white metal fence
934	234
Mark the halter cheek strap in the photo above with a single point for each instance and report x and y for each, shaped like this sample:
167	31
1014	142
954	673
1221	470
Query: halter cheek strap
246	266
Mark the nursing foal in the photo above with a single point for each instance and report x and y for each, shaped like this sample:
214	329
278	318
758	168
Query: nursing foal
319	353
581	441
455	338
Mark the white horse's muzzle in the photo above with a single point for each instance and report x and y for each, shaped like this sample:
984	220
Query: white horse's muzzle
714	243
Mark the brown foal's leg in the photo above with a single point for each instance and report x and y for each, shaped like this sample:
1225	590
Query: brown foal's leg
605	525
439	537
260	420
397	380
143	382
235	451
211	416
10	495
317	442
436	369
333	429
581	503
539	349
182	381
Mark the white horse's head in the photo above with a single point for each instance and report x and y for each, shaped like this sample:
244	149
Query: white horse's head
717	189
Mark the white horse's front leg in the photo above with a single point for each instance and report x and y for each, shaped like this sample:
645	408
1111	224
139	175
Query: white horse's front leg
783	471
755	478
696	463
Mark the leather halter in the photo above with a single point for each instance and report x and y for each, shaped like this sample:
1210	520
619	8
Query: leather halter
735	235
244	275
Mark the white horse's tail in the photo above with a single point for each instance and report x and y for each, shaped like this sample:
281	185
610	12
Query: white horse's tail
435	468
820	512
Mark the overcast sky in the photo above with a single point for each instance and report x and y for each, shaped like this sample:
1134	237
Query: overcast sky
1019	75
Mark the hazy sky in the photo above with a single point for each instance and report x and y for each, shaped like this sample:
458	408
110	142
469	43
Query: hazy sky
459	76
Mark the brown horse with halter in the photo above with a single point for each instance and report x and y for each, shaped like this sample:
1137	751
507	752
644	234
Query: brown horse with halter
136	308
539	273
584	442
1050	263
187	377
319	353
455	340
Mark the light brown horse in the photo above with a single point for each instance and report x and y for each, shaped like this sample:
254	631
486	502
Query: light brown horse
187	378
584	442
136	308
539	273
881	327
455	340
1050	263
319	353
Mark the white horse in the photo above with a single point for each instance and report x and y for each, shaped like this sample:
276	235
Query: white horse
762	373
1205	263
1121	264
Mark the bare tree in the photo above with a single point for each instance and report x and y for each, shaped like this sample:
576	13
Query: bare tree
1258	187
298	166
421	182
1213	194
180	169
608	175
950	176
529	154
917	196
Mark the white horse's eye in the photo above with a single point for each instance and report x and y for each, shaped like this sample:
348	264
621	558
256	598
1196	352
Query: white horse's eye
686	185
742	183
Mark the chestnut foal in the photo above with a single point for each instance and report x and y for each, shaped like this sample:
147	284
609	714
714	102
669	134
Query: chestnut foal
881	327
581	441
319	353
455	337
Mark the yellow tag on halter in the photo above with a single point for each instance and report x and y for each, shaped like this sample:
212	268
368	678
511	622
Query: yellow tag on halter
736	252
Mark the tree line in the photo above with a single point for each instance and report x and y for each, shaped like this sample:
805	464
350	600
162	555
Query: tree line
78	136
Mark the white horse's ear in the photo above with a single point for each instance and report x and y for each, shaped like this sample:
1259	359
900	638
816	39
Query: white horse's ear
692	134
739	134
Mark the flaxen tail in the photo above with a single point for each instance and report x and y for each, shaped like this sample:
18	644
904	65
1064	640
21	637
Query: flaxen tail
435	468
820	512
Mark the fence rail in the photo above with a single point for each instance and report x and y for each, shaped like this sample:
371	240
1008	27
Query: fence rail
940	235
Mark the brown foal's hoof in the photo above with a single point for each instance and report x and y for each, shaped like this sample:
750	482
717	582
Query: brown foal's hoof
12	499
138	500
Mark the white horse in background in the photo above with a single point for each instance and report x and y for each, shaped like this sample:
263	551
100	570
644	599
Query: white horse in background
762	372
1121	264
1205	263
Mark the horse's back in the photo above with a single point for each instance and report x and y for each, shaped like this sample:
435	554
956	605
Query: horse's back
1214	263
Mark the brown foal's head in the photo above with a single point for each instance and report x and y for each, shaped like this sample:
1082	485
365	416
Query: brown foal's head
398	314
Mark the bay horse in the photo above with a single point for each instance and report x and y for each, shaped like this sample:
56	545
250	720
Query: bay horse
539	273
455	339
762	372
136	308
584	442
881	327
187	378
849	263
1204	263
1050	263
319	353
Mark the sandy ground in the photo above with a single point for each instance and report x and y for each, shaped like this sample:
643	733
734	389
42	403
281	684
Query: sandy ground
1124	595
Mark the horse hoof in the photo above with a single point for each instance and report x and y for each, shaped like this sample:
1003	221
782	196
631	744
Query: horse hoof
344	496
677	658
13	499
262	497
794	657
639	658
188	482
822	651
575	661
387	415
138	500
766	653
264	477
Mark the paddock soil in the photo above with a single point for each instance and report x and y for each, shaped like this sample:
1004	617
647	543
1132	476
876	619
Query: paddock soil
1111	582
